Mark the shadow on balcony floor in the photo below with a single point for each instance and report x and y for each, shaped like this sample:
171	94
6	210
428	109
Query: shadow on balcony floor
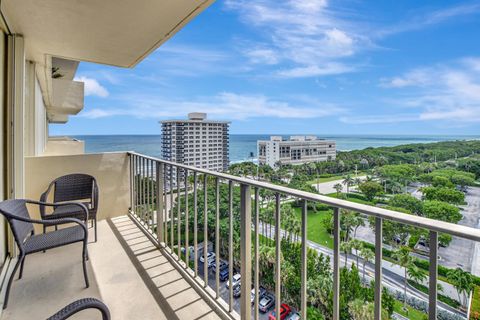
126	271
172	292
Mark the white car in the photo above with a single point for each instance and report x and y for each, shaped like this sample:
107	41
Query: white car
235	280
294	316
210	258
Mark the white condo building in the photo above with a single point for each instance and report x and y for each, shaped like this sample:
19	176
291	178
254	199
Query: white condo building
295	150
196	142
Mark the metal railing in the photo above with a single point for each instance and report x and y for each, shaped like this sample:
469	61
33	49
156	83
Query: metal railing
158	185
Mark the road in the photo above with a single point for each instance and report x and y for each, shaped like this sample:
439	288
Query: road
392	274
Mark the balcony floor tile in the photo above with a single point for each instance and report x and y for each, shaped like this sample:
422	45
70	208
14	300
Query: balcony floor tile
127	272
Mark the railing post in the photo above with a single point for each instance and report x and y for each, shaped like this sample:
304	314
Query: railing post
245	250
160	204
433	274
195	224
257	258
130	158
278	254
205	230
336	264
378	268
217	238
230	244
303	295
187	226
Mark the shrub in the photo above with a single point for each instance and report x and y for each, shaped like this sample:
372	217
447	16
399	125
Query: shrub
444	194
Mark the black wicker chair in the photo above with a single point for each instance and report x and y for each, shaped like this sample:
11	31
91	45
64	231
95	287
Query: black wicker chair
18	217
80	305
72	187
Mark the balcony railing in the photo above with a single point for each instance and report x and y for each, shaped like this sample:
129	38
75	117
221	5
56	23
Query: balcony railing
158	186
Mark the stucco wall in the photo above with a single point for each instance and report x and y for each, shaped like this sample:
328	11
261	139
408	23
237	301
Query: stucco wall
110	169
59	146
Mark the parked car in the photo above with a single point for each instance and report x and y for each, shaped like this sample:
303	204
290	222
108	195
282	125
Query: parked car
294	316
235	280
237	290
210	255
266	303
261	292
224	274
284	312
223	265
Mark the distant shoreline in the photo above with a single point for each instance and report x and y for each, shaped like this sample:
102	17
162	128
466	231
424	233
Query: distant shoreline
242	145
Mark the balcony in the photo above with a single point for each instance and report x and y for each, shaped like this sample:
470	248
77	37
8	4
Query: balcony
127	271
64	146
147	262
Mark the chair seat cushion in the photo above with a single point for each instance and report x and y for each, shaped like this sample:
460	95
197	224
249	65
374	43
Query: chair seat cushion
70	211
54	239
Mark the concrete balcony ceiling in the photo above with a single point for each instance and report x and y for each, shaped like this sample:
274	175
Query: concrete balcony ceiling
60	33
113	32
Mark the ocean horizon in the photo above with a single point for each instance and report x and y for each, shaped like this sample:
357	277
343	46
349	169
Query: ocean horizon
242	145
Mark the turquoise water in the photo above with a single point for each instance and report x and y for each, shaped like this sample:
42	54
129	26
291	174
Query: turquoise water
242	145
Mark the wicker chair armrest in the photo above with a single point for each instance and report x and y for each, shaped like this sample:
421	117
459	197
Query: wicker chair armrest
52	222
79	305
55	222
43	198
58	204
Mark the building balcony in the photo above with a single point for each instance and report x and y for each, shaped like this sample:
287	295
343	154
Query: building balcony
64	146
147	261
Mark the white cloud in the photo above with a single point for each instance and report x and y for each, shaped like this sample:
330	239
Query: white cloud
93	87
224	105
418	77
304	34
420	21
378	119
443	92
330	68
262	56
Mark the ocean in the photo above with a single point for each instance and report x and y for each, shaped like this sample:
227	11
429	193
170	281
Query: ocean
241	145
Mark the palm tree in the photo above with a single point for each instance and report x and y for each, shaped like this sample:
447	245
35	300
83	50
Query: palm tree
357	245
463	283
346	247
357	181
416	274
338	187
348	181
367	256
404	260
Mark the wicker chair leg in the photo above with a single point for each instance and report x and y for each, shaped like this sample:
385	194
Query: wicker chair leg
84	262
21	268
7	293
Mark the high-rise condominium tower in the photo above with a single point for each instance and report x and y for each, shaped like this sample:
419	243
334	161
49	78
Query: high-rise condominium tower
196	142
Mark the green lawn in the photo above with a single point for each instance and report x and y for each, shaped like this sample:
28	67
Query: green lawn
475	308
412	313
315	227
353	197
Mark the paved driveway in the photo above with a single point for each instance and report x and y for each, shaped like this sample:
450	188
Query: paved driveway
460	252
327	187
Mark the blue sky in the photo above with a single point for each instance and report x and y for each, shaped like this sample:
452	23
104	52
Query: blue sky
299	66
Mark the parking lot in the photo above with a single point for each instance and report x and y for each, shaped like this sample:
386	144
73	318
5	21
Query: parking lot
224	292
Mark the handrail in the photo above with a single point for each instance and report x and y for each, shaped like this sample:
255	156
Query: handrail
416	221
